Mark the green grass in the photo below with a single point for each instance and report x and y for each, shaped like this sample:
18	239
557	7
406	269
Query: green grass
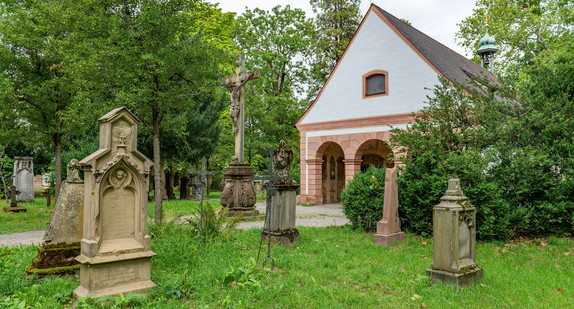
36	218
333	267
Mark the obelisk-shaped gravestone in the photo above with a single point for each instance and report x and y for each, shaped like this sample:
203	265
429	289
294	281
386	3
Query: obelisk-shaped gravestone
115	248
24	178
389	228
62	239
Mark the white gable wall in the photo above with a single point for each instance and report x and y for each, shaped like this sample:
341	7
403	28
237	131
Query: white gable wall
375	47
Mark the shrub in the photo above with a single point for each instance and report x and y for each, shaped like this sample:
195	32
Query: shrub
363	199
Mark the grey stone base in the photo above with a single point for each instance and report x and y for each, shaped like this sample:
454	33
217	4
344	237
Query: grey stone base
458	279
246	211
389	239
15	209
285	238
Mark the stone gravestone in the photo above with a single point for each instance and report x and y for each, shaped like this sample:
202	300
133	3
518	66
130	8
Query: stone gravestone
238	195
389	228
282	222
64	232
13	202
454	239
24	178
115	248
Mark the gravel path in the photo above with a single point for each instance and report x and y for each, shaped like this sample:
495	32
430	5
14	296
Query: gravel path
314	216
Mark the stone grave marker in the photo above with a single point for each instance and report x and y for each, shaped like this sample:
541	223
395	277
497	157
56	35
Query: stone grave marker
454	239
200	179
64	233
281	191
13	202
389	228
238	194
115	248
24	178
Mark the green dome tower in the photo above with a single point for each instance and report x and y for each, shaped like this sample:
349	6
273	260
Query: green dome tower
486	49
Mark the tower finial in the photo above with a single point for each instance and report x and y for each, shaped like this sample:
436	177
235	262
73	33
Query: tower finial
486	19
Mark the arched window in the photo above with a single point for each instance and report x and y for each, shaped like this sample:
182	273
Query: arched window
375	83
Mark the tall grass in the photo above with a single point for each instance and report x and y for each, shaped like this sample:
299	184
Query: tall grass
333	267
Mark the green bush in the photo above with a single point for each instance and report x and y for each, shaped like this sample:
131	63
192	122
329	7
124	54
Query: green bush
363	199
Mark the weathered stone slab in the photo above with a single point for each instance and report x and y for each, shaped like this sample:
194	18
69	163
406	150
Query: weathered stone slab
24	178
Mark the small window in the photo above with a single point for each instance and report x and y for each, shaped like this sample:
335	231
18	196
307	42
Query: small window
375	83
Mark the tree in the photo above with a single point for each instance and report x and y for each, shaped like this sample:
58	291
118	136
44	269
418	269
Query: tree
149	56
336	22
272	102
34	58
523	29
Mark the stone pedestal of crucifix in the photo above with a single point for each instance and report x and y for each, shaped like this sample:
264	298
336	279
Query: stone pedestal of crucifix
389	228
115	247
238	194
13	202
454	239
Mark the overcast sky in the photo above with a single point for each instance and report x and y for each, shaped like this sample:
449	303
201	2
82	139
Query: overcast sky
436	18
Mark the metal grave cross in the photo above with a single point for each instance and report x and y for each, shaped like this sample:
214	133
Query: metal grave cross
270	190
202	173
235	84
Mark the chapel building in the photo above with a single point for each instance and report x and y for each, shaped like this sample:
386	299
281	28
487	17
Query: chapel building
379	82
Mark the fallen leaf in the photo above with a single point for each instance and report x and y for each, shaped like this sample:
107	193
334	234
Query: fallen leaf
234	283
424	256
543	243
557	290
557	266
423	305
424	243
416	296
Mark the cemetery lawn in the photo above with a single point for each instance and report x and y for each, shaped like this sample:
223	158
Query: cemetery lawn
333	267
36	218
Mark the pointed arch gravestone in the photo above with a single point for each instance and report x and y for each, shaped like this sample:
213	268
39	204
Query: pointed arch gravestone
115	248
24	178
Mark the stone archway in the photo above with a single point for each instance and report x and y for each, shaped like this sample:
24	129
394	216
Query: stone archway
333	173
374	152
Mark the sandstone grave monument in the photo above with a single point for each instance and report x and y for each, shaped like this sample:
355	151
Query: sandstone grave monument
454	239
389	228
282	229
238	194
115	248
64	233
24	178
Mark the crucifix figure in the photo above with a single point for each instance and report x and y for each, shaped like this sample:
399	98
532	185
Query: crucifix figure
235	84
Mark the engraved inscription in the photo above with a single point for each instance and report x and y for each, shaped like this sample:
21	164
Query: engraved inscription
118	206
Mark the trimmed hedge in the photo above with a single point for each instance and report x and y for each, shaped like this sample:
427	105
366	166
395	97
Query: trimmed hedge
363	199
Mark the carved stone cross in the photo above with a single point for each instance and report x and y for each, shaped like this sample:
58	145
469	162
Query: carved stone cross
13	193
235	84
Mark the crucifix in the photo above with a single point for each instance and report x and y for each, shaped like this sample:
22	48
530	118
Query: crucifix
235	84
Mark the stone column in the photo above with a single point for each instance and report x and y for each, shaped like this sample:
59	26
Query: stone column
314	193
389	228
282	224
352	166
454	239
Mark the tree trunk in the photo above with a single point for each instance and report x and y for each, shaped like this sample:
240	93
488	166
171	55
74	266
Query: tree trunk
58	158
157	170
